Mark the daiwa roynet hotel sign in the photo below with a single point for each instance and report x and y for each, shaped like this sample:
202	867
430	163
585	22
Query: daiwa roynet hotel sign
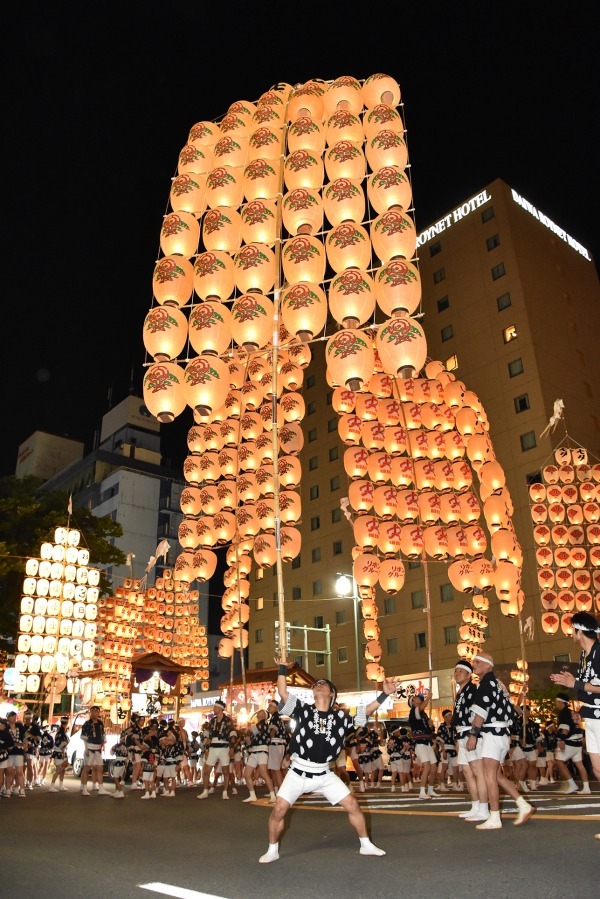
479	200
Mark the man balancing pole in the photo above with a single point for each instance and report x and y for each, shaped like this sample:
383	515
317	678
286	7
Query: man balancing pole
318	739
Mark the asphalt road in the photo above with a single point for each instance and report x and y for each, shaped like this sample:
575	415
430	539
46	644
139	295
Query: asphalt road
63	845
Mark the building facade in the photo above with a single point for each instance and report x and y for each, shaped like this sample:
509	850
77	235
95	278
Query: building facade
511	304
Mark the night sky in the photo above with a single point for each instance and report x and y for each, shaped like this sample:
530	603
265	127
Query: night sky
99	99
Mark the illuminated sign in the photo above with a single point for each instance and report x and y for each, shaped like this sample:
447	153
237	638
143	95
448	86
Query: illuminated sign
529	207
455	216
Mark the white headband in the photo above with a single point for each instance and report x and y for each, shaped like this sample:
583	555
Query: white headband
464	667
483	659
585	629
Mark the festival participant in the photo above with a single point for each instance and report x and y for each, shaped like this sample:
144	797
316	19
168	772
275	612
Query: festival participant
587	683
16	755
45	754
316	741
168	755
277	745
546	749
257	743
195	753
446	737
94	739
422	732
394	748
569	747
150	751
529	744
134	736
5	744
220	732
470	762
376	756
184	772
492	717
365	762
34	736
59	756
119	766
351	746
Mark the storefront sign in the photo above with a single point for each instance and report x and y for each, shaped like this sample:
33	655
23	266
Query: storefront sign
455	216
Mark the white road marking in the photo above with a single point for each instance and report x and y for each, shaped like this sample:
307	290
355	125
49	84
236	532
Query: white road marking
168	889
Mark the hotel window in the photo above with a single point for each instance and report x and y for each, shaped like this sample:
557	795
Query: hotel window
318	621
515	367
446	592
417	599
534	477
275	594
332	425
258	635
498	271
487	214
509	333
312	435
340	617
389	605
337	548
450	635
421	640
259	665
319	659
315	555
313	463
334	483
311	408
451	363
260	603
435	248
447	333
296	562
298	660
528	441
439	275
259	575
414	563
521	403
336	515
443	303
317	587
334	453
563	657
392	646
492	242
329	397
342	654
297	622
315	523
311	381
296	592
314	491
503	302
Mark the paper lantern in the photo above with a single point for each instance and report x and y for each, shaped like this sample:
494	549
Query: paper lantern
224	186
252	321
506	579
344	93
214	275
179	234
402	347
222	229
303	259
195	160
393	234
188	193
255	268
350	358
366	570
304	310
389	541
206	383
550	622
344	201
382	117
172	281
388	187
436	542
345	159
391	576
378	89
462	577
352	298
303	169
302	211
306	133
261	179
306	101
348	246
164	391
366	532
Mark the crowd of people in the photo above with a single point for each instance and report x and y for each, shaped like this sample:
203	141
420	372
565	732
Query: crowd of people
483	745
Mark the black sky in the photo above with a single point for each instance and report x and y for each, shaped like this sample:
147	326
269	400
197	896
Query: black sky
99	99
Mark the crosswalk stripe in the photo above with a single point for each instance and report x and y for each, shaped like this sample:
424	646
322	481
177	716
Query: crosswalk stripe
168	889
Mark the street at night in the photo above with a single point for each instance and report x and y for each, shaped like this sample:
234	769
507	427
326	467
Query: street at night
65	845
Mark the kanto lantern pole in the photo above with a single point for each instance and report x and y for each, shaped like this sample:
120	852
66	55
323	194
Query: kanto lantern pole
274	429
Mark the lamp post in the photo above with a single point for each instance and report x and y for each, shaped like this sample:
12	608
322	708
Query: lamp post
345	585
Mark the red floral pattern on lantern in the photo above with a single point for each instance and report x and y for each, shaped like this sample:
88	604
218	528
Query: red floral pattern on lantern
346	235
389	176
256	212
263	137
342	189
300	160
400	330
248	308
300	199
167	270
302	126
215	220
219	177
230	122
344	151
204	316
207	264
349	282
250	257
258	168
199	371
300	296
173	224
393	222
300	249
382	114
159	320
347	344
183	184
159	378
199	131
342	118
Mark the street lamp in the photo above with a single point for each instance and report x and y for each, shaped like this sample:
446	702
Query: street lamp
345	585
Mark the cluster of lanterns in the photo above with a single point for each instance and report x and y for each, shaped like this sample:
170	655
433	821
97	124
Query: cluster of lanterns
58	630
519	682
290	213
565	510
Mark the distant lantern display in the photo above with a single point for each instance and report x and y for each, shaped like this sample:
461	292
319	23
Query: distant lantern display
303	201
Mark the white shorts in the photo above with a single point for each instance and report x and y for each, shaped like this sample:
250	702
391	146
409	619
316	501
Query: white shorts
400	766
218	754
465	757
92	757
452	761
16	761
541	761
160	770
328	785
340	762
257	758
592	736
378	763
424	753
569	754
276	754
170	770
494	746
517	754
4	764
367	767
147	776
